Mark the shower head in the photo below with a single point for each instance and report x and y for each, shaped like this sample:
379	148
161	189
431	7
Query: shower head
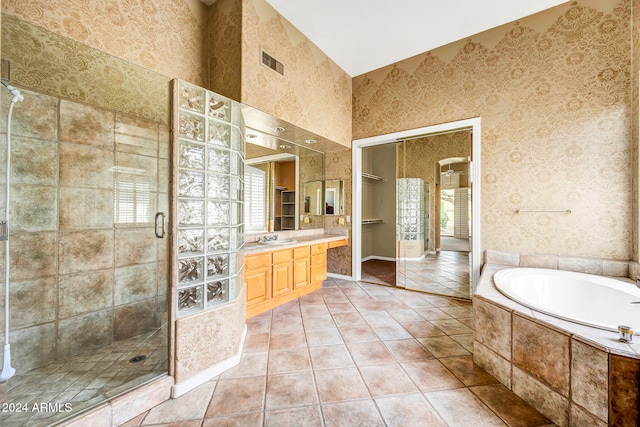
17	96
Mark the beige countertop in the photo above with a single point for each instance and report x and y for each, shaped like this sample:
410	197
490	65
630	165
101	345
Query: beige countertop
306	240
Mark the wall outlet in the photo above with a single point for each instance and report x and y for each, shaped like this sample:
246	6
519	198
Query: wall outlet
348	218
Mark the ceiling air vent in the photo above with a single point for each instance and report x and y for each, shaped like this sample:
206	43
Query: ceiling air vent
272	63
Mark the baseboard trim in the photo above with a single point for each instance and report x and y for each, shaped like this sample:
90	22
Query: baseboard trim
339	276
381	258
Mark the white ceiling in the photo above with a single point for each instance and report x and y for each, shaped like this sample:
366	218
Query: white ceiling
363	35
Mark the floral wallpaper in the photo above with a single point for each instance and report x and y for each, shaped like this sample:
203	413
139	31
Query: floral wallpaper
166	29
635	61
58	66
225	54
314	93
554	95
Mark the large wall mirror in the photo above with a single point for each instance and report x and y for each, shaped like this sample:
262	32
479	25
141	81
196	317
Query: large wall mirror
278	178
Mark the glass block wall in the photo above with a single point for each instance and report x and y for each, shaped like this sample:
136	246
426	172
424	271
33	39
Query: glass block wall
410	209
210	214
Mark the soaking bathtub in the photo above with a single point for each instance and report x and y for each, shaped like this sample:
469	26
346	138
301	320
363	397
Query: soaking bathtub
587	299
546	337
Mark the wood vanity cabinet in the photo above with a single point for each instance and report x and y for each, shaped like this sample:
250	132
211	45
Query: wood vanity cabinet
301	267
258	278
274	278
282	280
338	243
319	262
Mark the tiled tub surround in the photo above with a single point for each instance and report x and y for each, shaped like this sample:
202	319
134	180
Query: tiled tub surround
574	374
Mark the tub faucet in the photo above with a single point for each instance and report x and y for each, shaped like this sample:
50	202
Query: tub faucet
626	334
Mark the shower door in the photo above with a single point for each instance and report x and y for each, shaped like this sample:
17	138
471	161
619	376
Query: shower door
89	277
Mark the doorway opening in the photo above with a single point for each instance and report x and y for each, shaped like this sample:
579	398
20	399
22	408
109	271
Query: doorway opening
419	234
378	203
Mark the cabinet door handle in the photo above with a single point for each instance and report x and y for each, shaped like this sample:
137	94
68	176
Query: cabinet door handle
160	219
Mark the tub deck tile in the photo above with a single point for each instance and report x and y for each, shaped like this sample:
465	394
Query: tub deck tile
624	383
589	378
542	352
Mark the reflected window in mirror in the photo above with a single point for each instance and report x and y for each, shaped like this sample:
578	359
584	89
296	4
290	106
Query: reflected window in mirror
255	190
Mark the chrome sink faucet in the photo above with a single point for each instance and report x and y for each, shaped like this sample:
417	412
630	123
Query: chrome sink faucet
275	237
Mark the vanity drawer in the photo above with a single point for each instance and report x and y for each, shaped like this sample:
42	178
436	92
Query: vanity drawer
319	259
338	243
282	256
319	248
302	252
252	262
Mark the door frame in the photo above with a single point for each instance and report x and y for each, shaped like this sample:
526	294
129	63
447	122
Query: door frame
472	124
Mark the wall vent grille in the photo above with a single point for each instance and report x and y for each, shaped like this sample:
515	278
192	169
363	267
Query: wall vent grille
272	63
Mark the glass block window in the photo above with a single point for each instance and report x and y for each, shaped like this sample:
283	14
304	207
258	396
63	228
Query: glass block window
410	209
209	153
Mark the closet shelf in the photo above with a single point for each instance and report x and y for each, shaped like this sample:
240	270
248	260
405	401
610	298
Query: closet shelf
371	176
372	221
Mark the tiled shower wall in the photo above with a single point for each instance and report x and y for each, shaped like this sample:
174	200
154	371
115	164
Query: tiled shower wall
86	268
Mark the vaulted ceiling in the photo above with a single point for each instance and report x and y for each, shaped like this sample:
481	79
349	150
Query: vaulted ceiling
363	35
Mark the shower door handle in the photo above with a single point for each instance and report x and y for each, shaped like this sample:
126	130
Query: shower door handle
160	220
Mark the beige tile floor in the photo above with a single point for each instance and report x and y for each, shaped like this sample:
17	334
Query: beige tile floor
443	273
353	354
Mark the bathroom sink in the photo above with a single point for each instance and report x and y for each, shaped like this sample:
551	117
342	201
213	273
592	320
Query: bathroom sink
278	242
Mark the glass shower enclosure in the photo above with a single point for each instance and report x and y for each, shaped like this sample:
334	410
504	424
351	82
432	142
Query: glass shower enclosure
88	275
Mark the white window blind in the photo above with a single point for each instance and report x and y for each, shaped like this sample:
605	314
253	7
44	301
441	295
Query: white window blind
255	181
461	213
132	201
